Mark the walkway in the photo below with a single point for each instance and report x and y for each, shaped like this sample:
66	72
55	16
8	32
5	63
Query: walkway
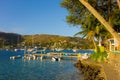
111	73
112	68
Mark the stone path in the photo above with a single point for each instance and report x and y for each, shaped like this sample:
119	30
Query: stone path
112	68
111	72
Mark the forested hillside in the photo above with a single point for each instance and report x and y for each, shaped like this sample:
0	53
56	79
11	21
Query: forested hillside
56	41
11	40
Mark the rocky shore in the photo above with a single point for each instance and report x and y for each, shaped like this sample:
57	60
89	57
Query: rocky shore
90	70
109	70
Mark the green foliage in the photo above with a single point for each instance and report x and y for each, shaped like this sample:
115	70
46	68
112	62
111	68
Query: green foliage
99	56
79	15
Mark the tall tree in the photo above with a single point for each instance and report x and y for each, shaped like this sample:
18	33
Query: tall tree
118	1
101	19
90	31
106	11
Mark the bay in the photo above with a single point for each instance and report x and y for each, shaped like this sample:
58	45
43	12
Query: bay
20	69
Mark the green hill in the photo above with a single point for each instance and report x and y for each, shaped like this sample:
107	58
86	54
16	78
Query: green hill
44	40
56	41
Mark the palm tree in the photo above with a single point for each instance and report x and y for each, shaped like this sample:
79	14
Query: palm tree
90	33
91	30
101	19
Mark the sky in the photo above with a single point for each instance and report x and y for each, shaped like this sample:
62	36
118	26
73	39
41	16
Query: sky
28	17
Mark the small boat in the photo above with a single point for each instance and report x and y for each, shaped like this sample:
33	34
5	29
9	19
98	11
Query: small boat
15	57
15	50
74	50
55	59
85	56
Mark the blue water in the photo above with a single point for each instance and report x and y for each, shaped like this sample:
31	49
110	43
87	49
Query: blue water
20	69
69	51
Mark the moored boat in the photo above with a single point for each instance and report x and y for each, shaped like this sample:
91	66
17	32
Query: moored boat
15	57
55	59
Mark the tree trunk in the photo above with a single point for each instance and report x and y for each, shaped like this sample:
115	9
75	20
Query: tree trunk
95	45
101	19
118	1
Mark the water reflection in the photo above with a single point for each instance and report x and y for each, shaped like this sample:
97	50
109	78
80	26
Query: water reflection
38	70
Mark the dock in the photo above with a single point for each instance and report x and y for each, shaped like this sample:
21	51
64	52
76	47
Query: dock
49	55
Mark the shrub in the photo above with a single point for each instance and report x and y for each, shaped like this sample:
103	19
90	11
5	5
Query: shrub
100	55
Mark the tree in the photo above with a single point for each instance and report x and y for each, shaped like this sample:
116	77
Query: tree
118	1
107	12
90	31
101	19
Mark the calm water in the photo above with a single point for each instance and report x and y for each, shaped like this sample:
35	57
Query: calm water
35	69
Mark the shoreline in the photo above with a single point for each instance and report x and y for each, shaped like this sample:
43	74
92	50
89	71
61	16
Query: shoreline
92	70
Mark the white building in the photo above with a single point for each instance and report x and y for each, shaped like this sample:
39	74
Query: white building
113	44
